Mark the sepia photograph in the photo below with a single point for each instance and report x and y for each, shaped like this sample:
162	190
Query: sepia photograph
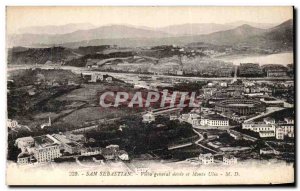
150	95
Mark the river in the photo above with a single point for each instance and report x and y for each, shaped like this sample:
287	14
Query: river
280	58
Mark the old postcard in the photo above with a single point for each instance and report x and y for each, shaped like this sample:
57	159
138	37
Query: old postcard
150	96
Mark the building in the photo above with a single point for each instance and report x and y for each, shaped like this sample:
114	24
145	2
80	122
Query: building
193	118
229	160
92	77
25	158
258	127
91	151
179	72
24	142
123	155
12	124
267	151
223	84
76	137
275	70
206	158
270	102
48	124
276	73
173	117
45	149
269	120
214	120
109	79
289	120
250	70
266	134
72	148
148	117
287	128
279	133
240	106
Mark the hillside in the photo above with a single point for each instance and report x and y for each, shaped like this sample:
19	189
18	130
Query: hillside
279	37
38	55
105	32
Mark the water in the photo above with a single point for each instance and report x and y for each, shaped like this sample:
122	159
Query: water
280	58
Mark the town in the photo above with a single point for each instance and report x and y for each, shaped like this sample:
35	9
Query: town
238	119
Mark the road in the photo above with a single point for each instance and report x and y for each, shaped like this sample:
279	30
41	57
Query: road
270	110
201	138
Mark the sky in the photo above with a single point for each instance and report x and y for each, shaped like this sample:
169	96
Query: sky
19	17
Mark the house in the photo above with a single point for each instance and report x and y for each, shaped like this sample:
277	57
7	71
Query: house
72	148
267	151
258	127
289	120
48	124
173	117
179	72
91	151
206	158
123	155
265	134
76	137
25	158
214	120
24	142
229	160
269	120
45	149
12	123
279	133
148	117
109	79
288	129
223	84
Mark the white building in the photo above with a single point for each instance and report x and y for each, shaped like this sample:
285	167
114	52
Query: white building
24	142
91	151
265	134
258	127
229	160
279	133
223	84
109	79
123	155
206	158
148	117
269	120
12	123
288	129
45	149
267	151
214	121
289	120
24	159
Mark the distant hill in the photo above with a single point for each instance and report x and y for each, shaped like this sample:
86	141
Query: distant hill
278	37
195	29
55	29
231	36
253	24
105	32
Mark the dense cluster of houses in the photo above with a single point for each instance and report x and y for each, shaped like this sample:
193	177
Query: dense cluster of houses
271	128
208	158
46	148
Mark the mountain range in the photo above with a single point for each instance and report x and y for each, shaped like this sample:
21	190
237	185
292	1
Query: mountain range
124	35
